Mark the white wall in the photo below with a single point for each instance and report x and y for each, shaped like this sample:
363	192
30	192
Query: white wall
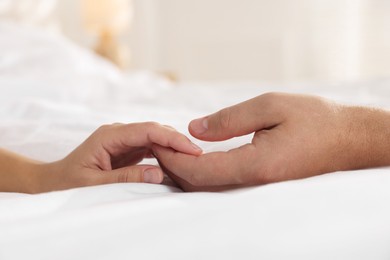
256	39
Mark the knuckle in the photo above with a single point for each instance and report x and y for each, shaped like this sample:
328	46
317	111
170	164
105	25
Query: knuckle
116	124
152	124
150	128
129	175
108	127
275	102
170	127
99	133
103	128
270	99
272	96
224	118
123	177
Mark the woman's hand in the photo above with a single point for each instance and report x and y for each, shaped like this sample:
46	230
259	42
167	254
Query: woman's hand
109	155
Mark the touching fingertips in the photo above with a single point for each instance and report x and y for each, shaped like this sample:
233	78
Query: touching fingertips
196	148
199	126
153	176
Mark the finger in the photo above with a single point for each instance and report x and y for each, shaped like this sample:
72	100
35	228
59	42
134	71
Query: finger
212	169
123	137
255	114
186	186
137	173
133	157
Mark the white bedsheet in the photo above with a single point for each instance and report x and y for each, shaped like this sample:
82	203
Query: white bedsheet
53	95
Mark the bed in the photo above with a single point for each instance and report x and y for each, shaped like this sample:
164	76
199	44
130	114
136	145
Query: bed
54	94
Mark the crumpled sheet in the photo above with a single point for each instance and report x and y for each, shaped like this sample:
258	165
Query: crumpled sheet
54	94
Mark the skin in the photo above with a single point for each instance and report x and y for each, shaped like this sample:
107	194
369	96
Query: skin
109	155
294	137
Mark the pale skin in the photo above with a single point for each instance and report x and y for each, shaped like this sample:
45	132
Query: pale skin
109	155
295	136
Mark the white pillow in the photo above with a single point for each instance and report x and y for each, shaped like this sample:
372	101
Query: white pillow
46	64
39	64
33	12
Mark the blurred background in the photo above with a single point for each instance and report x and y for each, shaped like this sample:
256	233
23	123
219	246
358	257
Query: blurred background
226	40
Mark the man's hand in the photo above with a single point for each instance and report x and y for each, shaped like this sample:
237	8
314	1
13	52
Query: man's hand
295	136
111	154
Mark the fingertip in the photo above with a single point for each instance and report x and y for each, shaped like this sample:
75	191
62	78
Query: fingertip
156	149
197	150
198	126
184	145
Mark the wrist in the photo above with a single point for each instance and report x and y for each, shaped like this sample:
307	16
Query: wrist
37	177
45	177
32	176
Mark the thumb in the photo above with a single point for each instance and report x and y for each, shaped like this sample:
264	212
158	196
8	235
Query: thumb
136	173
247	117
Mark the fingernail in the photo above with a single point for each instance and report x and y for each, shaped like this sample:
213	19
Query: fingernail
199	126
152	176
197	148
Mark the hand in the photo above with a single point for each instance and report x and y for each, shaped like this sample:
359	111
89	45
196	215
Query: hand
110	155
295	136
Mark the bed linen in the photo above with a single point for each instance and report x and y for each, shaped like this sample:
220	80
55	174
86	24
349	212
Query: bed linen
54	94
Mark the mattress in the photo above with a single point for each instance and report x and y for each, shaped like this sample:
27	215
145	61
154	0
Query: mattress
54	94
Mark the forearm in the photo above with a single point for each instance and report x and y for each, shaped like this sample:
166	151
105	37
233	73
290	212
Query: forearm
18	173
368	137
